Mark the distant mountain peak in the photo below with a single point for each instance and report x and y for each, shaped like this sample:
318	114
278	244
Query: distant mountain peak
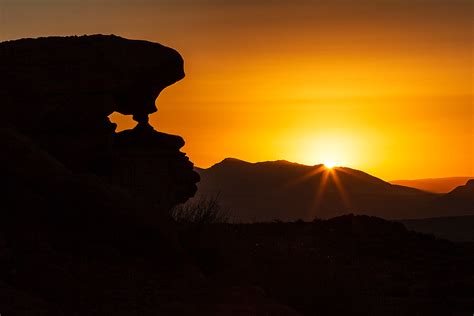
232	160
228	162
436	185
467	189
236	161
280	189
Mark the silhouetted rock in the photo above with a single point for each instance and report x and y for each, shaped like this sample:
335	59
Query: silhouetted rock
150	164
66	82
59	91
83	222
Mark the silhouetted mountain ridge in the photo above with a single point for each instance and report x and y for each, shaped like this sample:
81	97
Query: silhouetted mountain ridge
229	163
264	191
466	190
435	185
461	198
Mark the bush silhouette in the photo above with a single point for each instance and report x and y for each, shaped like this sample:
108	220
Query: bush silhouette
202	210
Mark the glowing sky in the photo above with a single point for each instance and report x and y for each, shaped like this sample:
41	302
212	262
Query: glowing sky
384	86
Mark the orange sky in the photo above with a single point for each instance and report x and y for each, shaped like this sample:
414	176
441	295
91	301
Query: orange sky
380	85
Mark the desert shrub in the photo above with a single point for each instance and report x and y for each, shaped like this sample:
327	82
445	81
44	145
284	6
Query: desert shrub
201	210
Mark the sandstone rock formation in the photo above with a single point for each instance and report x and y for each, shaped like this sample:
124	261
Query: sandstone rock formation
58	91
83	225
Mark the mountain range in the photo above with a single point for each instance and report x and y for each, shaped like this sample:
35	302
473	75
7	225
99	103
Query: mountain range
286	191
435	185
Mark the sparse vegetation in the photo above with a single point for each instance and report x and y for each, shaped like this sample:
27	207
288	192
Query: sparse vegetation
201	210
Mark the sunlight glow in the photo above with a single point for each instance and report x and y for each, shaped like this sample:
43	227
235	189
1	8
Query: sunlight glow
328	176
329	164
331	148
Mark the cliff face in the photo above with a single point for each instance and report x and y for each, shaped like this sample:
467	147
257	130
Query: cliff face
58	91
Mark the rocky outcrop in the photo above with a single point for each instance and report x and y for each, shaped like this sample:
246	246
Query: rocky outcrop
71	244
58	91
63	166
65	82
83	227
136	153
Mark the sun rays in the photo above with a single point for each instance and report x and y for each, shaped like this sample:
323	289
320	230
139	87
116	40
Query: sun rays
328	184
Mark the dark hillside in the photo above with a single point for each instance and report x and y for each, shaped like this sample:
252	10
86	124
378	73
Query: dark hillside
350	265
265	191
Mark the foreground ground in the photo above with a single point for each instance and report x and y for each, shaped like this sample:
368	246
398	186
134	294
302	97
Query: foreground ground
350	265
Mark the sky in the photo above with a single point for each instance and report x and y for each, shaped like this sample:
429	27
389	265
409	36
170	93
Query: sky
385	86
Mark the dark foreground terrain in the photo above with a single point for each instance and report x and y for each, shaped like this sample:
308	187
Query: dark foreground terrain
350	265
456	228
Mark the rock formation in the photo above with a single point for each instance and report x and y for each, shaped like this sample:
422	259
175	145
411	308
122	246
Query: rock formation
83	229
59	91
150	164
83	223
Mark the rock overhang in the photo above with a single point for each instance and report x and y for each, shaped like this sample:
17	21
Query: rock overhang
59	91
92	76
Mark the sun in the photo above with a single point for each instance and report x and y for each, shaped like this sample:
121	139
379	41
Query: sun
335	149
329	164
